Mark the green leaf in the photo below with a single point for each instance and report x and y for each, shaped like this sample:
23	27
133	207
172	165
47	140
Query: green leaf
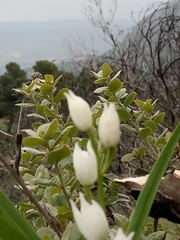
162	141
100	90
39	109
121	93
139	103
120	220
12	223
67	232
151	124
127	158
57	155
56	81
34	142
60	95
100	80
26	156
97	75
33	151
73	130
115	85
159	235
35	115
106	70
148	107
46	88
141	151
149	190
35	125
117	74
39	181
36	160
46	233
59	200
48	78
30	133
48	112
159	117
128	128
145	132
25	105
51	129
129	99
124	115
112	99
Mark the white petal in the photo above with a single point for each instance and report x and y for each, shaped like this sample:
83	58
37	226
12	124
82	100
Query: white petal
121	236
109	125
85	165
79	110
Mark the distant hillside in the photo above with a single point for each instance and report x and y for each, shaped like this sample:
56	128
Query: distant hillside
28	42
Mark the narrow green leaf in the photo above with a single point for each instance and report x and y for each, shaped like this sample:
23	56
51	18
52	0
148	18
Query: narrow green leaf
21	229
25	105
100	89
35	115
148	192
56	81
129	99
33	151
59	154
128	128
67	233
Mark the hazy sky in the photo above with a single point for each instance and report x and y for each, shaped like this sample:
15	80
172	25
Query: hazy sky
44	10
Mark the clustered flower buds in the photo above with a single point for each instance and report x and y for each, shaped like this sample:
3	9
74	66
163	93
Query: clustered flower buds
91	219
109	126
80	111
85	164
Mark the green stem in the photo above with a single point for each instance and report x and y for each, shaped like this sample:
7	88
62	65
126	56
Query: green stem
148	192
109	159
100	176
62	185
88	193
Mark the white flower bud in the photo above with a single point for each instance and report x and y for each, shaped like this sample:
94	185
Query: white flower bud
109	126
80	111
85	164
121	236
91	219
